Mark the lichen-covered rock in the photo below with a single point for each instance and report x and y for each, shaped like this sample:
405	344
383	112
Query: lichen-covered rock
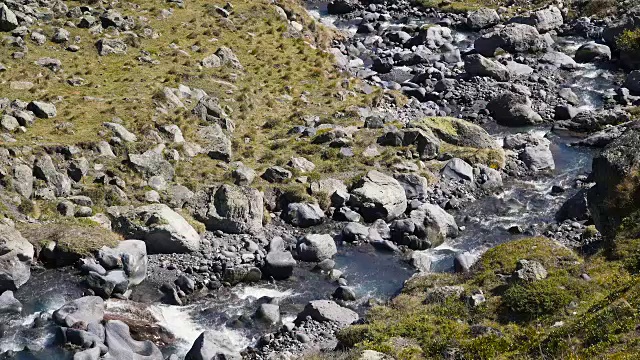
230	208
378	196
162	229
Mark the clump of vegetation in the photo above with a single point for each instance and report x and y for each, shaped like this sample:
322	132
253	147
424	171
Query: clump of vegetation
629	42
561	316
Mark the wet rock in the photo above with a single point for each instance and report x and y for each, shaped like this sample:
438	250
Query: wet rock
488	179
269	313
593	52
114	282
211	345
421	261
529	271
326	310
344	293
9	304
316	247
304	214
129	255
242	273
378	196
162	229
230	208
354	232
478	65
511	109
538	157
122	346
559	60
186	284
575	208
438	220
16	256
84	310
279	264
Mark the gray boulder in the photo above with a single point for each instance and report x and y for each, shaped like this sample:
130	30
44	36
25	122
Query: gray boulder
120	131
42	109
482	18
316	247
84	310
162	229
339	7
478	65
111	47
243	175
16	256
279	264
439	220
543	20
129	255
529	271
276	174
457	169
9	304
560	60
88	354
210	345
227	57
593	52
8	20
114	282
512	109
538	157
269	313
23	180
304	214
215	142
122	346
415	186
325	311
378	196
230	208
44	169
152	163
513	38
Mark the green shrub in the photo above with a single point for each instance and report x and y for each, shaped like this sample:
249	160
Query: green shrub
532	300
629	41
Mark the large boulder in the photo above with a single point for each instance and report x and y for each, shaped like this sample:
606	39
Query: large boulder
482	18
230	208
513	38
457	132
575	208
44	169
113	282
84	310
457	169
129	255
162	229
152	163
122	346
279	264
15	259
559	60
543	20
304	214
210	345
512	109
339	7
615	193
326	310
439	220
316	247
215	142
378	196
478	65
593	52
8	20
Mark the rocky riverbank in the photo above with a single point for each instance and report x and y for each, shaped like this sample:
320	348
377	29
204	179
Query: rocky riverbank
197	180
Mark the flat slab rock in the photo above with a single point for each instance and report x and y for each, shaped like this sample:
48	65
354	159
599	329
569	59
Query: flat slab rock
327	310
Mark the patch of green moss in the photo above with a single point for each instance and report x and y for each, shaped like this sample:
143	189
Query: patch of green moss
629	41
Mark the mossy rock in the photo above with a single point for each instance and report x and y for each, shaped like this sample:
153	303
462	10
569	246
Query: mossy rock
457	132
